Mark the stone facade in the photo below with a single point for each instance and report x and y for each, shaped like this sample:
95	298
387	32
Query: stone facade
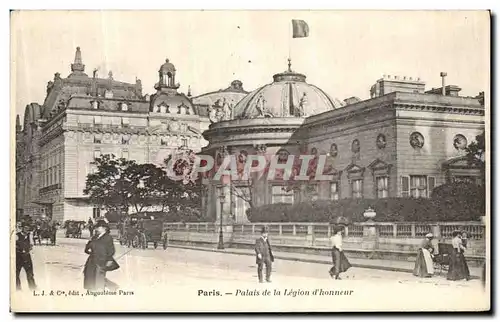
401	142
84	117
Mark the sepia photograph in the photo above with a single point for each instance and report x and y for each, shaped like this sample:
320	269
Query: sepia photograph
250	161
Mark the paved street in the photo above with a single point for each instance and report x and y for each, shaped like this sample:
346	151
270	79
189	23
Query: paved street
61	266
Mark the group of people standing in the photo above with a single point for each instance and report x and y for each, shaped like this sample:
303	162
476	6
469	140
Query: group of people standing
457	265
265	257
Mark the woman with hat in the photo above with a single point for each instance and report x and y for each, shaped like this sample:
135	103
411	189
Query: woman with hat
101	250
458	269
424	266
340	262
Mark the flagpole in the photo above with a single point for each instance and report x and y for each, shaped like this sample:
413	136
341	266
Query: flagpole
290	42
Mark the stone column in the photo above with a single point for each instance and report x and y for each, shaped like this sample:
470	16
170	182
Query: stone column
370	238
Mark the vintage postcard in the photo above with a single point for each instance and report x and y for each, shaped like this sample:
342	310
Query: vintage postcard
250	161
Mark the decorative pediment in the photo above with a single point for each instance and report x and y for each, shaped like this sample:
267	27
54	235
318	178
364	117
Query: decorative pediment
462	162
354	171
379	167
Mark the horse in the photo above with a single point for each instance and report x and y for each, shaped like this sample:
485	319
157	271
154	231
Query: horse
44	231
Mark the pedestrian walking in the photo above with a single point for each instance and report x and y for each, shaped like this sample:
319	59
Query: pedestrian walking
264	255
23	257
101	251
340	262
458	269
424	265
90	224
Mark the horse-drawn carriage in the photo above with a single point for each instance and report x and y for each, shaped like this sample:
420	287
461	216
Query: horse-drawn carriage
139	230
74	228
44	230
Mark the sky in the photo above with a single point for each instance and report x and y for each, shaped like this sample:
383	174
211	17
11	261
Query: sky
345	53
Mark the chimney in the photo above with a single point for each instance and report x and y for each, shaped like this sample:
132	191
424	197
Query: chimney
443	77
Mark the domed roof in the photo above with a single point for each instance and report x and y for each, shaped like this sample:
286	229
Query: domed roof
167	66
288	96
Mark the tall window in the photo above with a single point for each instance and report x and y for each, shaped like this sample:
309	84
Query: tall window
357	188
281	195
382	187
418	186
97	121
184	142
97	154
96	212
334	190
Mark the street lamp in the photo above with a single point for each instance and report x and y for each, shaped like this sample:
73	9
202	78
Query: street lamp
222	198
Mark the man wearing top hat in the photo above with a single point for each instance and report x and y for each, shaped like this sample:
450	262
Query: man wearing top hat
264	255
23	257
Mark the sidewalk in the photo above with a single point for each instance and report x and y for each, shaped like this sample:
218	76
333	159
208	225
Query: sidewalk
381	264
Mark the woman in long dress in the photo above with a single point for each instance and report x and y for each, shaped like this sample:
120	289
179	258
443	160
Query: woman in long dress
340	262
424	266
100	249
458	269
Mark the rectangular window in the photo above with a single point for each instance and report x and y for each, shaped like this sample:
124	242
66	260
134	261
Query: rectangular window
314	192
334	191
50	176
125	121
432	185
280	195
418	186
125	154
382	187
184	142
97	154
405	186
97	121
357	188
97	139
96	212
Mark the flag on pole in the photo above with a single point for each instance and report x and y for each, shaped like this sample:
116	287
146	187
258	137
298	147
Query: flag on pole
300	28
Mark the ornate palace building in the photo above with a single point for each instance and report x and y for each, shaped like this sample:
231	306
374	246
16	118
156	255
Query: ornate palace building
403	141
85	116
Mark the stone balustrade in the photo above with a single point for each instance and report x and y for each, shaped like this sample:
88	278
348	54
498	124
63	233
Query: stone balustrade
440	230
366	239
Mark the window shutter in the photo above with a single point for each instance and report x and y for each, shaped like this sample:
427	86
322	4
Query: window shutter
431	182
405	186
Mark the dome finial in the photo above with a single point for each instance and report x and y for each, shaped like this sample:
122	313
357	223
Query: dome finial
289	64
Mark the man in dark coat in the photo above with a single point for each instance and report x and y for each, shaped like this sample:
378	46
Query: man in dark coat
23	257
264	255
101	250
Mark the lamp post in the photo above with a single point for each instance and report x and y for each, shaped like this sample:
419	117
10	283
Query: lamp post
222	198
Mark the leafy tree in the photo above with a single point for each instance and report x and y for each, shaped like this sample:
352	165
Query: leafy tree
476	149
120	184
476	154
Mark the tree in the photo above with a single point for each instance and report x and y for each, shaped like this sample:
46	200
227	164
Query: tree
244	189
120	184
476	154
476	149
